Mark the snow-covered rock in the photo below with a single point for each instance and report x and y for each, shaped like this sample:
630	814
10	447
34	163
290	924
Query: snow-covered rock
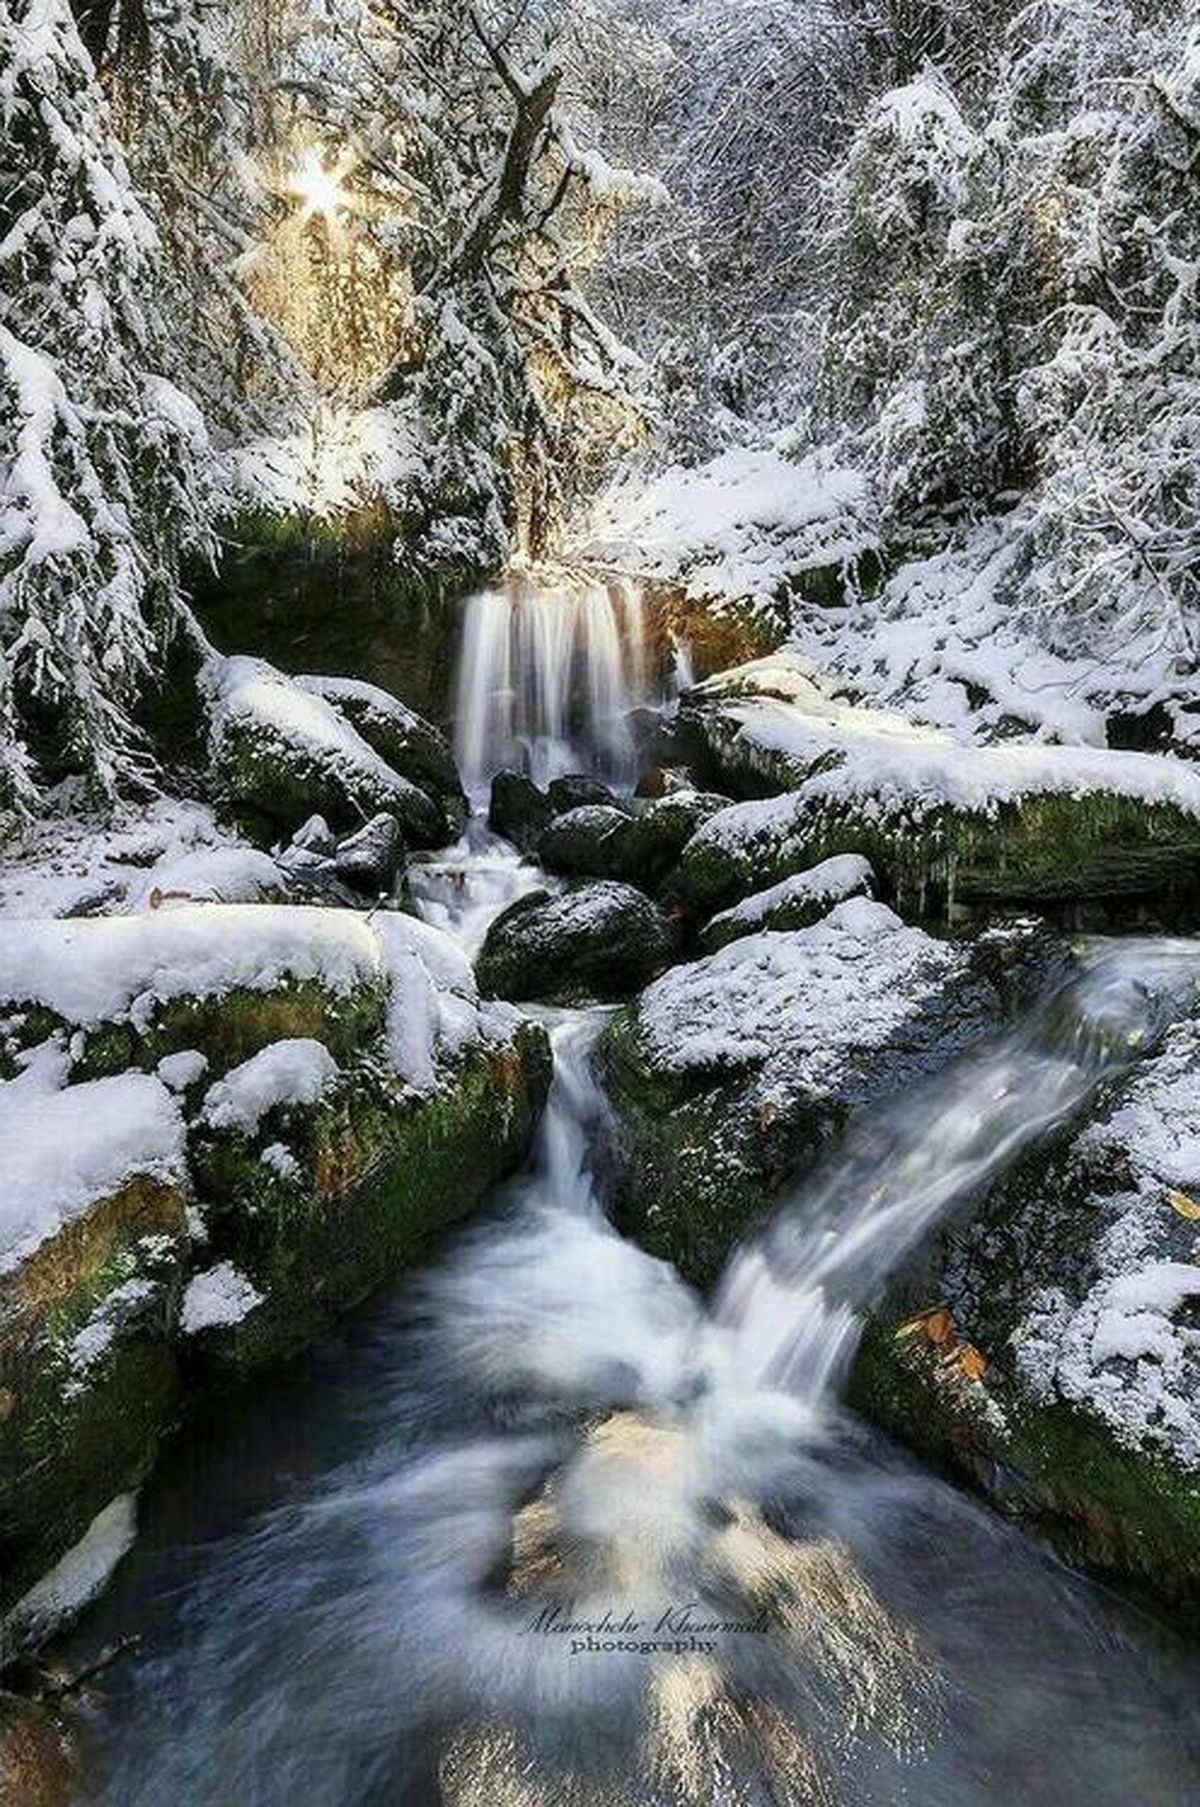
947	823
285	752
410	745
293	1101
729	1073
794	903
1077	1281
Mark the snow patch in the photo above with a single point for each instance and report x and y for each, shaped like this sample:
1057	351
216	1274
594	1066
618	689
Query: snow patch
63	1151
297	1070
220	1296
79	1576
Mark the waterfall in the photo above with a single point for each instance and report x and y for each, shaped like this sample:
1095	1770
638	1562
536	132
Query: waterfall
547	679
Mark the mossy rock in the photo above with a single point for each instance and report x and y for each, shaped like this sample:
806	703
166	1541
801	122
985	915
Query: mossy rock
411	745
588	841
1083	1416
285	781
1088	860
639	848
707	1133
1122	1512
228	1027
380	1174
76	1431
600	940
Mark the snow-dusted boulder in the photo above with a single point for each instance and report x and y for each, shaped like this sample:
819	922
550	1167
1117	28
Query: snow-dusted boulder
599	941
794	903
284	752
641	847
950	825
729	1073
220	1126
1077	1285
411	745
93	1249
588	841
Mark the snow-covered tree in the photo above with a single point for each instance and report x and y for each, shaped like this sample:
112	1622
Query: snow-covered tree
101	457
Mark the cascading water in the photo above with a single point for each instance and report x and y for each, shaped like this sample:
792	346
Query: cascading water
548	677
600	1546
571	1537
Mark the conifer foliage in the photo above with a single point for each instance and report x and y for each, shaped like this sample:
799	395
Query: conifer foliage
100	455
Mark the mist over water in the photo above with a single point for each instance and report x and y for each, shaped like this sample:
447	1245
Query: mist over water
548	1529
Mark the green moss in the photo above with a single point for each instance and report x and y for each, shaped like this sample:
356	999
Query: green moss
383	1175
1122	1511
66	1449
228	1027
286	781
1079	858
696	1167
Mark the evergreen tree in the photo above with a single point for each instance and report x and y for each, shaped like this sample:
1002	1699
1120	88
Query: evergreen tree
102	458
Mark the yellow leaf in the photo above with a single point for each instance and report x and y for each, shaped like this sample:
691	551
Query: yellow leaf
1185	1206
937	1325
972	1361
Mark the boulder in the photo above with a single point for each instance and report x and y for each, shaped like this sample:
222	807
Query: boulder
600	940
93	1252
1060	1370
292	1102
281	753
518	810
642	848
411	745
953	829
371	859
660	831
729	1074
578	789
587	842
794	903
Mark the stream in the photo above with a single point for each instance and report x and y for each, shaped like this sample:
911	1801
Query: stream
543	1528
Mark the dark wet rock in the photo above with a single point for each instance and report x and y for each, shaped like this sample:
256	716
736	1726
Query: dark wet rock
371	859
599	940
640	849
728	1075
1062	1372
579	789
587	842
518	810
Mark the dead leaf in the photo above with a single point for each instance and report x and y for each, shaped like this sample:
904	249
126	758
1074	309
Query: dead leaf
1185	1206
936	1325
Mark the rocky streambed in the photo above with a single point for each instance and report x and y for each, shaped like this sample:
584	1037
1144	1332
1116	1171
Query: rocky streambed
274	1043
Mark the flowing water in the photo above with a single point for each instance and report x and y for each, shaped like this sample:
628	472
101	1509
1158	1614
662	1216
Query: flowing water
545	1529
549	678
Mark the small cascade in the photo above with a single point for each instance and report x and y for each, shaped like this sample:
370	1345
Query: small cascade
547	678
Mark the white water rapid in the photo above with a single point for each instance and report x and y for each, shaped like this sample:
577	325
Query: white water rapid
548	678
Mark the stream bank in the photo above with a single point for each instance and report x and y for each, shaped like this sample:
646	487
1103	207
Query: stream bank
821	1009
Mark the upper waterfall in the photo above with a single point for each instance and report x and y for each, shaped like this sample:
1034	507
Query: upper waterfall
547	678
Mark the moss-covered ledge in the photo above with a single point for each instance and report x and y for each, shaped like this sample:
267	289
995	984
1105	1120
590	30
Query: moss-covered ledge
376	1174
